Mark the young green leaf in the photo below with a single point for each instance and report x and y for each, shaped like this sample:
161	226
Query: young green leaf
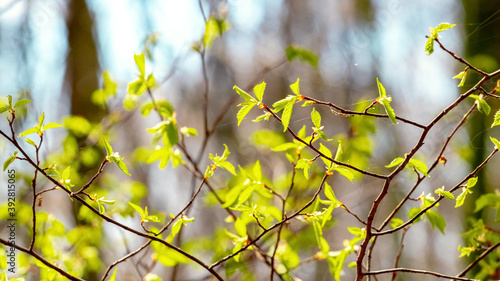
189	131
140	61
295	52
214	27
323	149
21	102
471	182
134	89
444	193
245	108
316	118
259	90
4	108
496	120
28	132
381	89
244	94
461	198
51	125
9	161
330	194
295	87
287	113
339	153
495	142
344	172
264	116
443	26
304	164
138	209
462	75
385	101
109	149
389	110
420	166
436	220
28	140
395	162
119	162
396	222
429	46
482	105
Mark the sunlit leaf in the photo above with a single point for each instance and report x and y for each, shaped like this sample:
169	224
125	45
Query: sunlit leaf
316	118
259	90
140	61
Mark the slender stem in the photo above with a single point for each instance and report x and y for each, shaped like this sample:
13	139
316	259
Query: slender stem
273	226
423	211
345	112
110	220
431	168
295	136
41	259
481	257
130	255
400	252
409	270
461	59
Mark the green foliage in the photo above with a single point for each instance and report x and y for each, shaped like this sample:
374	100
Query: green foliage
115	157
429	46
145	217
462	75
219	161
385	101
276	214
40	128
296	52
141	84
481	104
496	120
101	96
10	160
214	27
414	164
12	108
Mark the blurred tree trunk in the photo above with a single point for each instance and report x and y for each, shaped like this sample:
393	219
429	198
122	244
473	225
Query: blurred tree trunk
82	77
481	50
82	61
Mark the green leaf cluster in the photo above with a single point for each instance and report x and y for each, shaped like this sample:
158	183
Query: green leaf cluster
115	157
12	107
465	190
39	128
219	161
462	75
481	104
101	96
414	164
429	45
214	27
145	216
141	84
385	100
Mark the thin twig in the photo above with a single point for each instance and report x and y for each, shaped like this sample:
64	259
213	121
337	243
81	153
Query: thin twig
416	271
481	257
41	259
400	251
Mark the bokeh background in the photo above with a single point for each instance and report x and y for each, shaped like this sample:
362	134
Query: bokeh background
54	52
